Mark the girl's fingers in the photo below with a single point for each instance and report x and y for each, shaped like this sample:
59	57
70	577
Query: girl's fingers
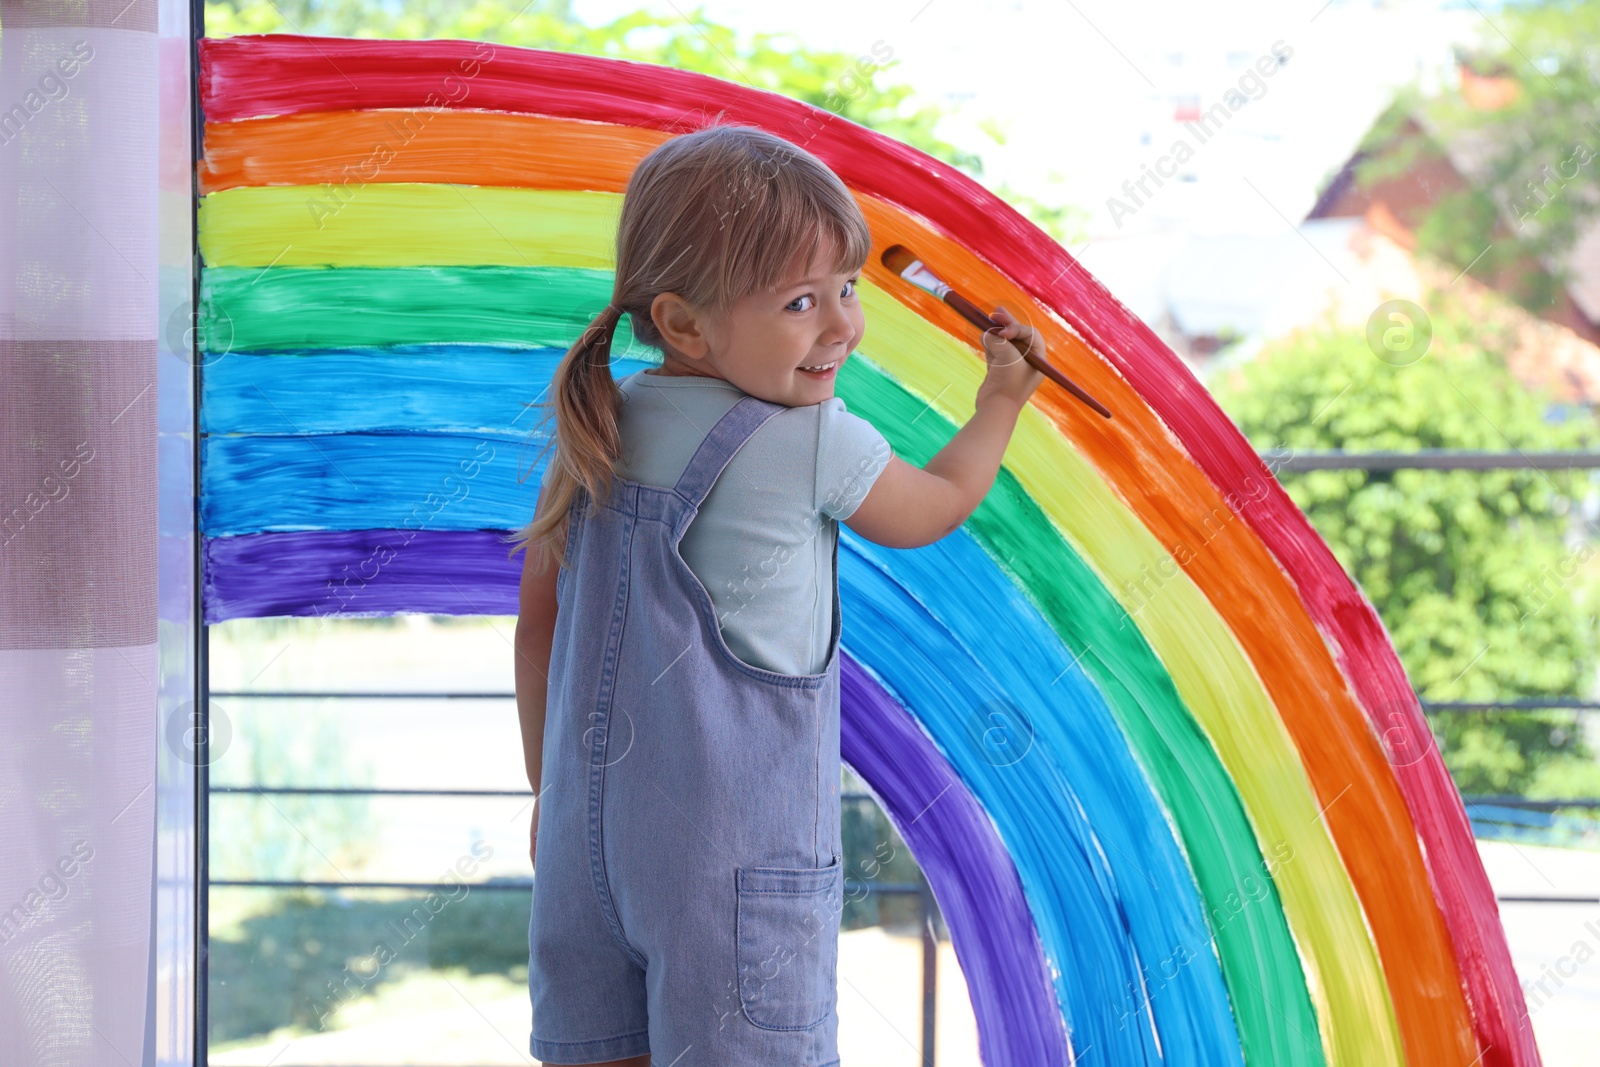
1009	326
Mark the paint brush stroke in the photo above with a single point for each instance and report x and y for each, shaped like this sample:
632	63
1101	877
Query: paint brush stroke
1452	800
965	653
446	225
1310	907
409	389
360	573
279	309
1259	957
346	150
973	877
402	225
1245	939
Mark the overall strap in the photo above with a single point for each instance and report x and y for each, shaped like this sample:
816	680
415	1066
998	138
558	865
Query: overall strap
729	434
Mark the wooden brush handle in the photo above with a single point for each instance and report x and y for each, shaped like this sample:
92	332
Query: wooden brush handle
978	318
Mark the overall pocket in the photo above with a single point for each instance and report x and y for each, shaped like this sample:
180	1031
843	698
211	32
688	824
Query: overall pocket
787	943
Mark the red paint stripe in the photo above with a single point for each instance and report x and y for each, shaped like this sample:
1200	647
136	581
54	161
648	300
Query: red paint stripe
281	74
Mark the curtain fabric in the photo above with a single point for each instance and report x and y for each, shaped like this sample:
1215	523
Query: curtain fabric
87	256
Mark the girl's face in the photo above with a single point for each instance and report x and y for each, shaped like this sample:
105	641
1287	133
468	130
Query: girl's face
763	346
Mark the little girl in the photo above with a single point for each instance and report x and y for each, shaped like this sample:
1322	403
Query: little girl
677	670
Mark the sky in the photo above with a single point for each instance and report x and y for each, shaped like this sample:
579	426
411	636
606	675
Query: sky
1085	90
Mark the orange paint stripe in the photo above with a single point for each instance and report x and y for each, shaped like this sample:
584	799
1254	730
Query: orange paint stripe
403	145
1345	762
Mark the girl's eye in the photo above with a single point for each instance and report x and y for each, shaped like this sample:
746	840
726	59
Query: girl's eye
790	306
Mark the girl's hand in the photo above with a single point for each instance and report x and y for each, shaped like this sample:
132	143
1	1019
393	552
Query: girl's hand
1010	376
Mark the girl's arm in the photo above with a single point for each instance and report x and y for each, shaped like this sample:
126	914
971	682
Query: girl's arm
909	506
536	625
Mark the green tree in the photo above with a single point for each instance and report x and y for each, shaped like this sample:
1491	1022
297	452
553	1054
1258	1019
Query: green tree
1484	579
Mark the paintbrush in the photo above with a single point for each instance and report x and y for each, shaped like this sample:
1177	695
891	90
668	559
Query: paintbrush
904	264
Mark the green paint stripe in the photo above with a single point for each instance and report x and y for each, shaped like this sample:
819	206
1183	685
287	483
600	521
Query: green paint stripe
505	305
1216	680
1272	1006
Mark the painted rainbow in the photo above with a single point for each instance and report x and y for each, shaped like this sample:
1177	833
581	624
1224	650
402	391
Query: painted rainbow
1152	747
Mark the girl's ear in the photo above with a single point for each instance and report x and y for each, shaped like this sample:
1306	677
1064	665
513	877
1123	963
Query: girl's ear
682	327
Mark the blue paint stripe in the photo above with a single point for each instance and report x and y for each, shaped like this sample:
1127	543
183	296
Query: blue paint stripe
369	481
955	840
1112	892
409	388
947	633
484	475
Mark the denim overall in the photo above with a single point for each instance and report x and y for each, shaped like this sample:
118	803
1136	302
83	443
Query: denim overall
688	878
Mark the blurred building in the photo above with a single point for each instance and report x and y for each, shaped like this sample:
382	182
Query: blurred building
1215	299
1451	162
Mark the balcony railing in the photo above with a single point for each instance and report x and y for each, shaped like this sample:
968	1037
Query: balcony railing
1512	810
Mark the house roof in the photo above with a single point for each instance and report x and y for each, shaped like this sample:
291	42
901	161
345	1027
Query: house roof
1469	152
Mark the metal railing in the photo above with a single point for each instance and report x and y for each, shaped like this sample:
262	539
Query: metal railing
927	905
1425	459
1442	459
1482	803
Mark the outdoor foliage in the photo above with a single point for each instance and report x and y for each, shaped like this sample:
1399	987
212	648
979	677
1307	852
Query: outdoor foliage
851	87
279	836
1484	579
846	85
1540	175
310	955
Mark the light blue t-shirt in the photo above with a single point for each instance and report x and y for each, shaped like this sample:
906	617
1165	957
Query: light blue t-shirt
762	543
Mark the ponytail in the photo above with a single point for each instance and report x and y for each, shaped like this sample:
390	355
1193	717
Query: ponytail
679	233
587	442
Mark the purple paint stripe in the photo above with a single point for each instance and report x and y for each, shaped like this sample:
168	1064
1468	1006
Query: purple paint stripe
466	572
972	875
373	572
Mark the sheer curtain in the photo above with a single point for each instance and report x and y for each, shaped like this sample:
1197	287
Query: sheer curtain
96	564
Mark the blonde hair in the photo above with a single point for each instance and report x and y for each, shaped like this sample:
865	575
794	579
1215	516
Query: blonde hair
712	216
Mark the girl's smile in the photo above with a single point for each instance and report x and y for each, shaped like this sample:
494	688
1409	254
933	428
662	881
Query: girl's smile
785	346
